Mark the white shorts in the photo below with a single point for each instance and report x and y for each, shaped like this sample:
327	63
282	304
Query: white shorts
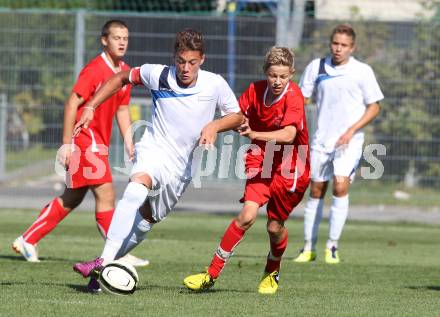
167	187
341	162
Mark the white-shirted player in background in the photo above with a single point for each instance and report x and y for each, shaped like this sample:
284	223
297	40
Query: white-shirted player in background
184	99
347	95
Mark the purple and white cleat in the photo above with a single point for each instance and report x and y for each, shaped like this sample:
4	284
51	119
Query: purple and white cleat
87	268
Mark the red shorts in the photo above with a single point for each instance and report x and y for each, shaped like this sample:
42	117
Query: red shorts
276	192
88	168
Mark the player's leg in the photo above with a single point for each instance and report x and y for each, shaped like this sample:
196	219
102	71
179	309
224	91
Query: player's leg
127	220
337	217
104	206
345	164
321	172
281	204
278	236
50	216
127	223
231	238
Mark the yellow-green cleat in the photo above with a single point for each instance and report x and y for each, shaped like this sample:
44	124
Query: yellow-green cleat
269	283
332	256
305	256
199	282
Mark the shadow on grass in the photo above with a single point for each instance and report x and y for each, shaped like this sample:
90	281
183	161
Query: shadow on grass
425	287
183	290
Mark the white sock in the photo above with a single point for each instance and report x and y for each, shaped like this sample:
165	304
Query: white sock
312	218
123	219
137	234
337	217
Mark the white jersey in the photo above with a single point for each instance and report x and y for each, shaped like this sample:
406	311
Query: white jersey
342	94
179	114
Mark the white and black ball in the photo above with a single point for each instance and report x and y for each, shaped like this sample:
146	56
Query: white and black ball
118	278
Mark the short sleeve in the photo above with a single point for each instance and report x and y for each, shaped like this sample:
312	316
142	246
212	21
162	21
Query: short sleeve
308	79
126	98
145	74
226	102
370	88
294	109
245	99
87	83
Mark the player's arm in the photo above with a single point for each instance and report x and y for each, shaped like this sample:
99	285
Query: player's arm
228	122
286	135
124	123
371	112
70	110
108	89
307	101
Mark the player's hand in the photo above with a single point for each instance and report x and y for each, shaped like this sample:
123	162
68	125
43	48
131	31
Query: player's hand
64	154
208	135
84	121
245	130
244	125
344	139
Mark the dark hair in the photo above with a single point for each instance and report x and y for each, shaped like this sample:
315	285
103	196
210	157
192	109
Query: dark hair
344	29
189	40
105	31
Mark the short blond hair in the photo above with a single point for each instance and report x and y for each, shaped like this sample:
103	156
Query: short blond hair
278	55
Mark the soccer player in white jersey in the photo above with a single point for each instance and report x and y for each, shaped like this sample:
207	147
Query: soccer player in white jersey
185	99
347	95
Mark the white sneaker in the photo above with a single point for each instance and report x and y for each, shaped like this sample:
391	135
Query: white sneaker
27	250
135	261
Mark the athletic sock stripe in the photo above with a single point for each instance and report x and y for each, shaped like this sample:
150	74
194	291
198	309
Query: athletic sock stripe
25	237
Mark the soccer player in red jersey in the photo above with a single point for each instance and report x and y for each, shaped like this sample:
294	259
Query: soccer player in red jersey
277	166
86	156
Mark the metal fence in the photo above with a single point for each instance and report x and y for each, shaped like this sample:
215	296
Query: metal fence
41	53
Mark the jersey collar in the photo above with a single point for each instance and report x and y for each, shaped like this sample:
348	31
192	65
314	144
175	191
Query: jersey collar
109	64
277	98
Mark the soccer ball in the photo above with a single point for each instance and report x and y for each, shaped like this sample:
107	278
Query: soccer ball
118	278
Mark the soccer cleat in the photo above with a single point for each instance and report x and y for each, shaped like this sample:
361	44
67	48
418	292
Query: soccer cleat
199	282
332	255
135	261
269	283
305	256
93	286
87	268
27	250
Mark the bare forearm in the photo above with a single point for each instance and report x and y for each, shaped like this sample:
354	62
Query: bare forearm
229	122
70	110
282	136
370	113
109	88
123	120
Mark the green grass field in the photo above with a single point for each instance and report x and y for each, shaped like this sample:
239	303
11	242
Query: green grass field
387	270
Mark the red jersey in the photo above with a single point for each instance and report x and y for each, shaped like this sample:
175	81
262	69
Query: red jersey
92	76
287	109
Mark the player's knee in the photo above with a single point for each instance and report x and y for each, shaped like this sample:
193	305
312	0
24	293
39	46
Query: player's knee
340	190
245	221
274	228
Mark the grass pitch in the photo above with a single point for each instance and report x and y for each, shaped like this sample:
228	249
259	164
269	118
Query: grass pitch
387	270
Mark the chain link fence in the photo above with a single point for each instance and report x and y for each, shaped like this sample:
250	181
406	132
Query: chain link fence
41	53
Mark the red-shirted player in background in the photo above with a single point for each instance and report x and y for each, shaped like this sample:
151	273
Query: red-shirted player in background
276	125
86	156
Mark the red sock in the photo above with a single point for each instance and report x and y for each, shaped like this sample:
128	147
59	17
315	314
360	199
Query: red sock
49	217
276	252
103	220
230	240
